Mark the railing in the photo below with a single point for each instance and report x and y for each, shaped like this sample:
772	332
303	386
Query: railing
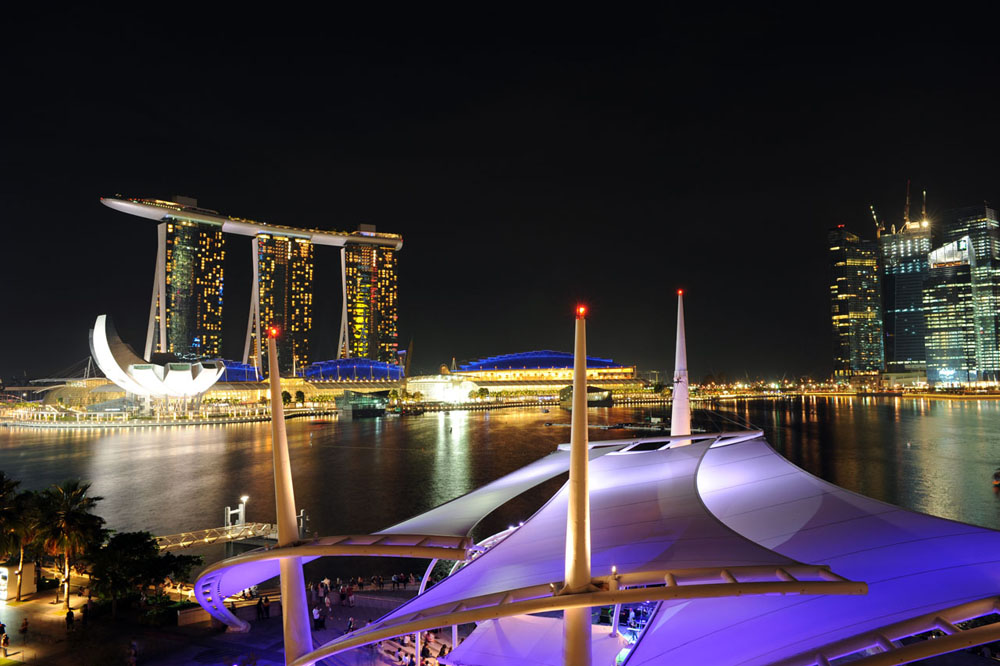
217	535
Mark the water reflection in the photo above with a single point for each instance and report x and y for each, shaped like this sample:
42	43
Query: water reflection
364	475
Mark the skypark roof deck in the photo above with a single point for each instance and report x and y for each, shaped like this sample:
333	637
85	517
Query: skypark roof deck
156	209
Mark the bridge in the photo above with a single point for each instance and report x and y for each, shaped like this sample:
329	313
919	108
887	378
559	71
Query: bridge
225	534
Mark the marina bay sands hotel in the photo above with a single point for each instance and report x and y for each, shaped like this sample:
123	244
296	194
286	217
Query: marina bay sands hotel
185	314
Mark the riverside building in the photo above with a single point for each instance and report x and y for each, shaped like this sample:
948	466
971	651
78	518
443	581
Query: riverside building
284	297
186	310
979	227
950	341
371	292
185	317
904	269
855	305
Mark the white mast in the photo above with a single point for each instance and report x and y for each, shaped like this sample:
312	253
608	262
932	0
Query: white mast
294	606
576	621
680	413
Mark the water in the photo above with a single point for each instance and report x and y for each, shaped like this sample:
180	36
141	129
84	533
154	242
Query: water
360	476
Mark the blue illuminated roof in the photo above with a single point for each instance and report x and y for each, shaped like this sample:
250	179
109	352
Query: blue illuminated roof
239	372
534	360
350	369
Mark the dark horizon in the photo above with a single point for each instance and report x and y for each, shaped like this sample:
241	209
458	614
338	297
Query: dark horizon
529	165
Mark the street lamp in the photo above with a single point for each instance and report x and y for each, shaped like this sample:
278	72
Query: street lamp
240	511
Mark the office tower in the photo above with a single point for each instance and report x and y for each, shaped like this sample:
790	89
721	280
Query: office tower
855	293
186	310
980	226
370	328
284	267
949	314
904	269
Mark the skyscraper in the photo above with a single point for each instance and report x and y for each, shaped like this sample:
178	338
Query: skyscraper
904	269
980	227
370	328
284	268
949	314
186	310
856	313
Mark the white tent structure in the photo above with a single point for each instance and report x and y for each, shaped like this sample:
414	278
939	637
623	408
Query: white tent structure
750	561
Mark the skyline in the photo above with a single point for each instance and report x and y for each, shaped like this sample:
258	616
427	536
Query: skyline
529	168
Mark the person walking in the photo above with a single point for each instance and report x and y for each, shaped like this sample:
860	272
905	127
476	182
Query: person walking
260	609
4	642
315	618
267	607
69	620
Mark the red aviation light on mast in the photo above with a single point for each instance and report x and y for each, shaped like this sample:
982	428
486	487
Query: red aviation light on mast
680	292
272	331
581	311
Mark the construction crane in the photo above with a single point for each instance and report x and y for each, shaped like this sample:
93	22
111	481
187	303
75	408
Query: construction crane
879	227
906	208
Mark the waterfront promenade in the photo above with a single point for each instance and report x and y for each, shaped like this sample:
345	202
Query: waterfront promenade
104	641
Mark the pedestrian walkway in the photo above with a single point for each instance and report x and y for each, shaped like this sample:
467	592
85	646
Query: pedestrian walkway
105	640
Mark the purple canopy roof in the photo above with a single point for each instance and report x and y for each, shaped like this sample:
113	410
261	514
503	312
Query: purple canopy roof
913	564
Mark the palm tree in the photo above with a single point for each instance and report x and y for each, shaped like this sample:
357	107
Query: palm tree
27	528
70	527
8	511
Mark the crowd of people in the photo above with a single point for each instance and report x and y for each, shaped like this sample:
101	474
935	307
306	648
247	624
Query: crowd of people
429	653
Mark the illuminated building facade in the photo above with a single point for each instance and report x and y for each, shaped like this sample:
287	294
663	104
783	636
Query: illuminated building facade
855	305
904	269
284	291
371	293
282	284
185	313
542	366
980	228
949	313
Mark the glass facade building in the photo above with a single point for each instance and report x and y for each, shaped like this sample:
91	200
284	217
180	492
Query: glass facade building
285	275
949	315
855	305
194	254
904	269
372	292
979	226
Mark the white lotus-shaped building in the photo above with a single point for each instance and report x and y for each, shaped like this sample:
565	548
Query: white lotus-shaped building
133	374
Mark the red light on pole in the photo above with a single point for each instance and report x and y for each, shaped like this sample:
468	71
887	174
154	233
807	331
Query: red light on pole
581	311
272	331
680	292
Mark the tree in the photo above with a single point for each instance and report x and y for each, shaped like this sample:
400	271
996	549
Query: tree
286	397
300	396
8	510
27	527
131	561
70	527
483	392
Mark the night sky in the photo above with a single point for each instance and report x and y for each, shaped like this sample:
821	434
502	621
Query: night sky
530	160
